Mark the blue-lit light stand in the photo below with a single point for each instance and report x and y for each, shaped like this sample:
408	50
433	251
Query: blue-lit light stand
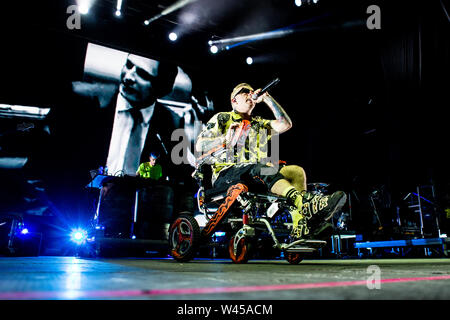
20	241
342	243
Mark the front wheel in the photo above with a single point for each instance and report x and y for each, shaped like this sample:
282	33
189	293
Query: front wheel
184	237
242	253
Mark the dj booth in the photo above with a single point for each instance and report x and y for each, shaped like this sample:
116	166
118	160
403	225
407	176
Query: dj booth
133	214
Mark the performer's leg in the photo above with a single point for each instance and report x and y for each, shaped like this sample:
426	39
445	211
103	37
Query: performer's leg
284	188
295	175
308	204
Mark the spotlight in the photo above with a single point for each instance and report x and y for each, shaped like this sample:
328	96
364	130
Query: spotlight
315	1
146	22
24	231
210	42
118	7
177	5
78	236
214	49
277	33
83	8
249	60
118	13
298	3
173	36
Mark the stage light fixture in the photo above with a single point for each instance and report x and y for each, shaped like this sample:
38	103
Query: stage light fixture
231	43
298	3
119	8
78	236
177	5
214	49
173	36
146	22
83	6
83	9
249	60
24	231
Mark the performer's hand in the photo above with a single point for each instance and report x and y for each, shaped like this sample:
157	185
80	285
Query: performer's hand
261	97
230	133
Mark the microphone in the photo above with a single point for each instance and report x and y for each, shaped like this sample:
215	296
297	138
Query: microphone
270	85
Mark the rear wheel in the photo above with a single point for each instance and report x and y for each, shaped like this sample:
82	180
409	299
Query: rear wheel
293	257
243	249
184	237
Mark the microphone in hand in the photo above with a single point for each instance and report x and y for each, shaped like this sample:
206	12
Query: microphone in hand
266	88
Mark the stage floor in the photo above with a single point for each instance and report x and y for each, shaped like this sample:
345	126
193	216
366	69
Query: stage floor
67	278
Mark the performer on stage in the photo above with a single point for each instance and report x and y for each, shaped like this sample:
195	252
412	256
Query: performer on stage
150	169
242	162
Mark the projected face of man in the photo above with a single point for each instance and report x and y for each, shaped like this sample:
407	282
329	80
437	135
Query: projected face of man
137	81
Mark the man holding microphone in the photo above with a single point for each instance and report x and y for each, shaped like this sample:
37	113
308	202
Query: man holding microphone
246	138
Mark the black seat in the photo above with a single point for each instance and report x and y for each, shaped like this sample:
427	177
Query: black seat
211	191
206	171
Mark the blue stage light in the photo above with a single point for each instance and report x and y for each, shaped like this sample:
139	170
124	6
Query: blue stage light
24	231
78	236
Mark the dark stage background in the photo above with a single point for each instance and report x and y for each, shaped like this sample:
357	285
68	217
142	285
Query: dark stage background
368	106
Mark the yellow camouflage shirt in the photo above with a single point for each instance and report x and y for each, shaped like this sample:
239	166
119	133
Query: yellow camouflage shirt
252	147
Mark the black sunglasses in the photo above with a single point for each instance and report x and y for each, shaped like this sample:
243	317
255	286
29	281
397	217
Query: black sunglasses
243	90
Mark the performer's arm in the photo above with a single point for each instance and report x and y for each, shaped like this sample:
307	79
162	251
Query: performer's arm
204	144
210	137
282	122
